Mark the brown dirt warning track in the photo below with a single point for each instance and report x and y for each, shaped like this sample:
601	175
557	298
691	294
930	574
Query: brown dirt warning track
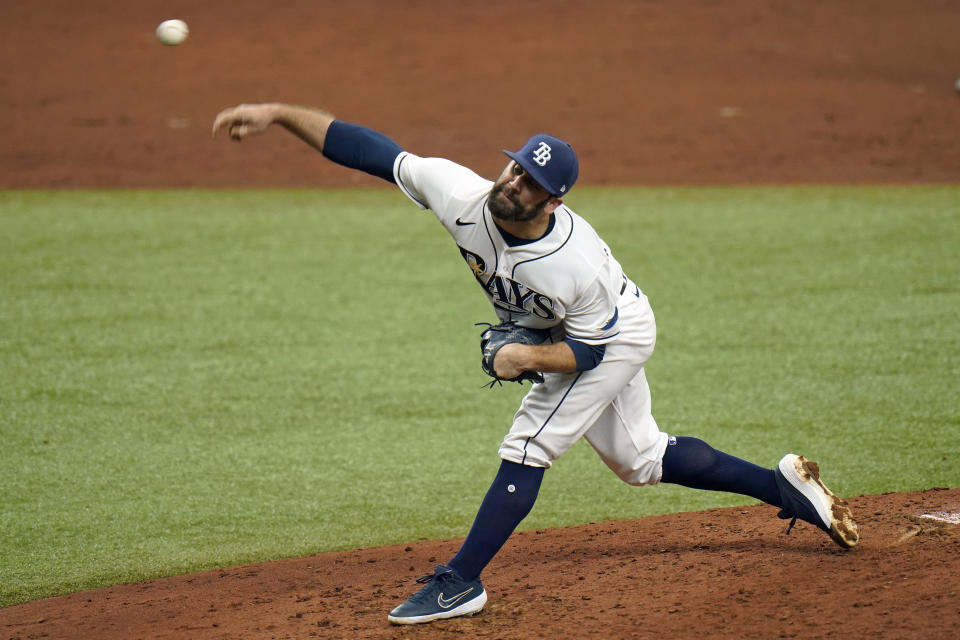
685	92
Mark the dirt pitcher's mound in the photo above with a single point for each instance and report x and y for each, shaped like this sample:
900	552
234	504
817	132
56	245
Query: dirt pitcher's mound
722	573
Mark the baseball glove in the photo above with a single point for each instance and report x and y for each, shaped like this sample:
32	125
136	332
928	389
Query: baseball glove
496	335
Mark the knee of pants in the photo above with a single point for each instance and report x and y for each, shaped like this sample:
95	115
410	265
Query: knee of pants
635	465
647	474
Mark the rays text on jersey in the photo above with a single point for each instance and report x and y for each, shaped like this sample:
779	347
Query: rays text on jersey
515	297
508	294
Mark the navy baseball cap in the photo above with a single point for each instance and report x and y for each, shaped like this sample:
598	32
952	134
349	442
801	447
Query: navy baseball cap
550	161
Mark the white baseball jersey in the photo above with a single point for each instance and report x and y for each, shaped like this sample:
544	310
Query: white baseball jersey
568	281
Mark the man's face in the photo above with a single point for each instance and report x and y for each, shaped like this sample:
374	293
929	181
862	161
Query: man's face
516	197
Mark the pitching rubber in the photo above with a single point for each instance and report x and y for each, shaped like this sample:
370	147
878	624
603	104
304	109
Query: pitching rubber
804	476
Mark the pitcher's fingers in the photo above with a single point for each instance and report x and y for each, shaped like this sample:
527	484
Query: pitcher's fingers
239	131
223	118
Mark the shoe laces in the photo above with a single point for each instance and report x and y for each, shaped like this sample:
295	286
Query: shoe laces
426	593
427	578
790	526
788	515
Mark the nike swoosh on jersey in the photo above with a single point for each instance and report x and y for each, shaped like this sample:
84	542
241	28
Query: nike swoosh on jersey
446	603
461	223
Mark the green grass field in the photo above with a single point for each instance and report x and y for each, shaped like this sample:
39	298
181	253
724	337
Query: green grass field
194	379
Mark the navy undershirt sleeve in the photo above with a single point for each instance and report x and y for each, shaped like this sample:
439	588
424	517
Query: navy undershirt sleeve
361	148
588	355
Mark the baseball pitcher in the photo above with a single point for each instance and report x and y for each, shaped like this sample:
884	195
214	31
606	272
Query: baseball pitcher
570	322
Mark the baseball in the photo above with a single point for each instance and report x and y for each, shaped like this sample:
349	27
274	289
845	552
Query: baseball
172	32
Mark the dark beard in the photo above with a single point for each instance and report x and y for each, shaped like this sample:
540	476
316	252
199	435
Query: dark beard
508	210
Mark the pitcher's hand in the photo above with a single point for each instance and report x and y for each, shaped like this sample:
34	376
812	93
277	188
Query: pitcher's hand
244	120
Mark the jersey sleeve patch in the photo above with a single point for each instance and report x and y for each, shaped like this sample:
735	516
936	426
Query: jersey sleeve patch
612	321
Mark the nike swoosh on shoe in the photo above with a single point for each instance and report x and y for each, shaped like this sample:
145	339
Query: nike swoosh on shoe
446	603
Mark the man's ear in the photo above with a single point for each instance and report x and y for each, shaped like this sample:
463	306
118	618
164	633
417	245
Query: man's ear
552	205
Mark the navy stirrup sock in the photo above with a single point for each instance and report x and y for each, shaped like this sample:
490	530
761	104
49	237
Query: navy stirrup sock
693	463
690	462
508	501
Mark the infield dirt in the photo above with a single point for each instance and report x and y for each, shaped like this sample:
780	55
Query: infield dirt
686	92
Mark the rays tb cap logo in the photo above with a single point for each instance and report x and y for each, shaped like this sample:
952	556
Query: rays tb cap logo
550	161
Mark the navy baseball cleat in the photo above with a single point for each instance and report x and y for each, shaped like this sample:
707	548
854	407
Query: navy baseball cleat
446	595
805	496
